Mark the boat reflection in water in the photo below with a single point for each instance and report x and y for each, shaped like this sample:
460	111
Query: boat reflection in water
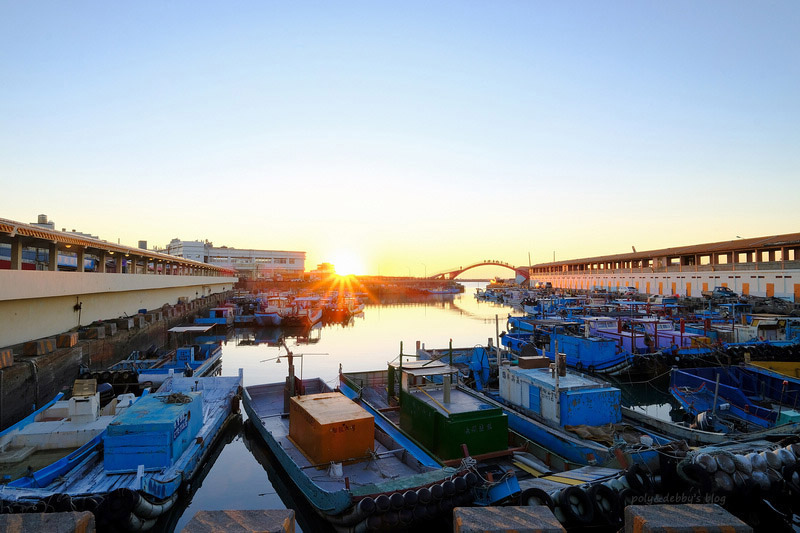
305	516
168	522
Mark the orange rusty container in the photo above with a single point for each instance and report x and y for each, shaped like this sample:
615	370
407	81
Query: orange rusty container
330	427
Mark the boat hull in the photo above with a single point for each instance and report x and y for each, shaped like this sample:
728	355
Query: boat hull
354	507
137	497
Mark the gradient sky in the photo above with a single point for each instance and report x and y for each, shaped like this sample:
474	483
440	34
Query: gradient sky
413	136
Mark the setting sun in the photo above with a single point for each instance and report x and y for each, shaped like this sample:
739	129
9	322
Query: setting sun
347	263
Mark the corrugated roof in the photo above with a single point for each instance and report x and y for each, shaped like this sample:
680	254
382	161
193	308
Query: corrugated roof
736	245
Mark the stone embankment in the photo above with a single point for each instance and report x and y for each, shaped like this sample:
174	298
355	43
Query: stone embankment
41	368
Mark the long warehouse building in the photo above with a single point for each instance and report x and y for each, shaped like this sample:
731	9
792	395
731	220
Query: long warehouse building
760	266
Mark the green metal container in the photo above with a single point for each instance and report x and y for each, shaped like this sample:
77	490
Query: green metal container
443	427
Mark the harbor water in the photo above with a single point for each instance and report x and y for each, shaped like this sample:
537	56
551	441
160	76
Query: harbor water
242	475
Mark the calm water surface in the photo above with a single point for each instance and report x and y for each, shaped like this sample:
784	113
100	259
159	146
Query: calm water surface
242	476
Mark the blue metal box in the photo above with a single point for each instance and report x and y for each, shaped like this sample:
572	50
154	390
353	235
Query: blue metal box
580	400
153	432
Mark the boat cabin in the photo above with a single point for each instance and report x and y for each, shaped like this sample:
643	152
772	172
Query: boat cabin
218	316
435	412
569	400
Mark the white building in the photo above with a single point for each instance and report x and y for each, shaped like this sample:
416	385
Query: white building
250	264
761	266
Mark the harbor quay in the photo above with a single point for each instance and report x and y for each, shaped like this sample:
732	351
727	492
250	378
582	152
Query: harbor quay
526	430
43	367
681	518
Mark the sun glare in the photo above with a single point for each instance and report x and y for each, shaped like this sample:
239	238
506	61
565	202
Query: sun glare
346	263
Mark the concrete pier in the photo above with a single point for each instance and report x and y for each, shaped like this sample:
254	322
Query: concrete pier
75	522
682	518
265	521
537	519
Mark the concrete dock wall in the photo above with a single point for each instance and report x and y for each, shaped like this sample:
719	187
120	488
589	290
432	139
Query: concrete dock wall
32	381
36	304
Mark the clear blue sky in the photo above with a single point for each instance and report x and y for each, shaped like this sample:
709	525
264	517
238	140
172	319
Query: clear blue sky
409	135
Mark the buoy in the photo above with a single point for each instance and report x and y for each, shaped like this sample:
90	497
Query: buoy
424	495
707	462
772	459
743	464
390	519
723	482
535	496
758	462
786	456
396	500
406	516
606	503
420	513
146	509
366	506
575	505
383	503
638	480
449	488
761	480
725	463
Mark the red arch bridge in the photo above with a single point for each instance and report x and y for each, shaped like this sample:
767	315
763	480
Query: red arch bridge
452	274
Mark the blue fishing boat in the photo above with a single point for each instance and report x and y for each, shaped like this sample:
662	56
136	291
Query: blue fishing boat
738	398
192	360
538	470
270	312
218	316
585	349
58	429
572	415
130	474
357	472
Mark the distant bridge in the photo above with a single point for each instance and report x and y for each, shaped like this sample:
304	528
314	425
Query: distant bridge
452	274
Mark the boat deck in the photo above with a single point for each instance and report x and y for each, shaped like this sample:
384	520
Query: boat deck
388	462
90	477
460	402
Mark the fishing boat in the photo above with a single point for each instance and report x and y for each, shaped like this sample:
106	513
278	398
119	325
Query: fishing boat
442	421
738	399
303	311
218	316
123	375
271	312
58	428
422	398
130	474
585	350
342	309
357	473
193	360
